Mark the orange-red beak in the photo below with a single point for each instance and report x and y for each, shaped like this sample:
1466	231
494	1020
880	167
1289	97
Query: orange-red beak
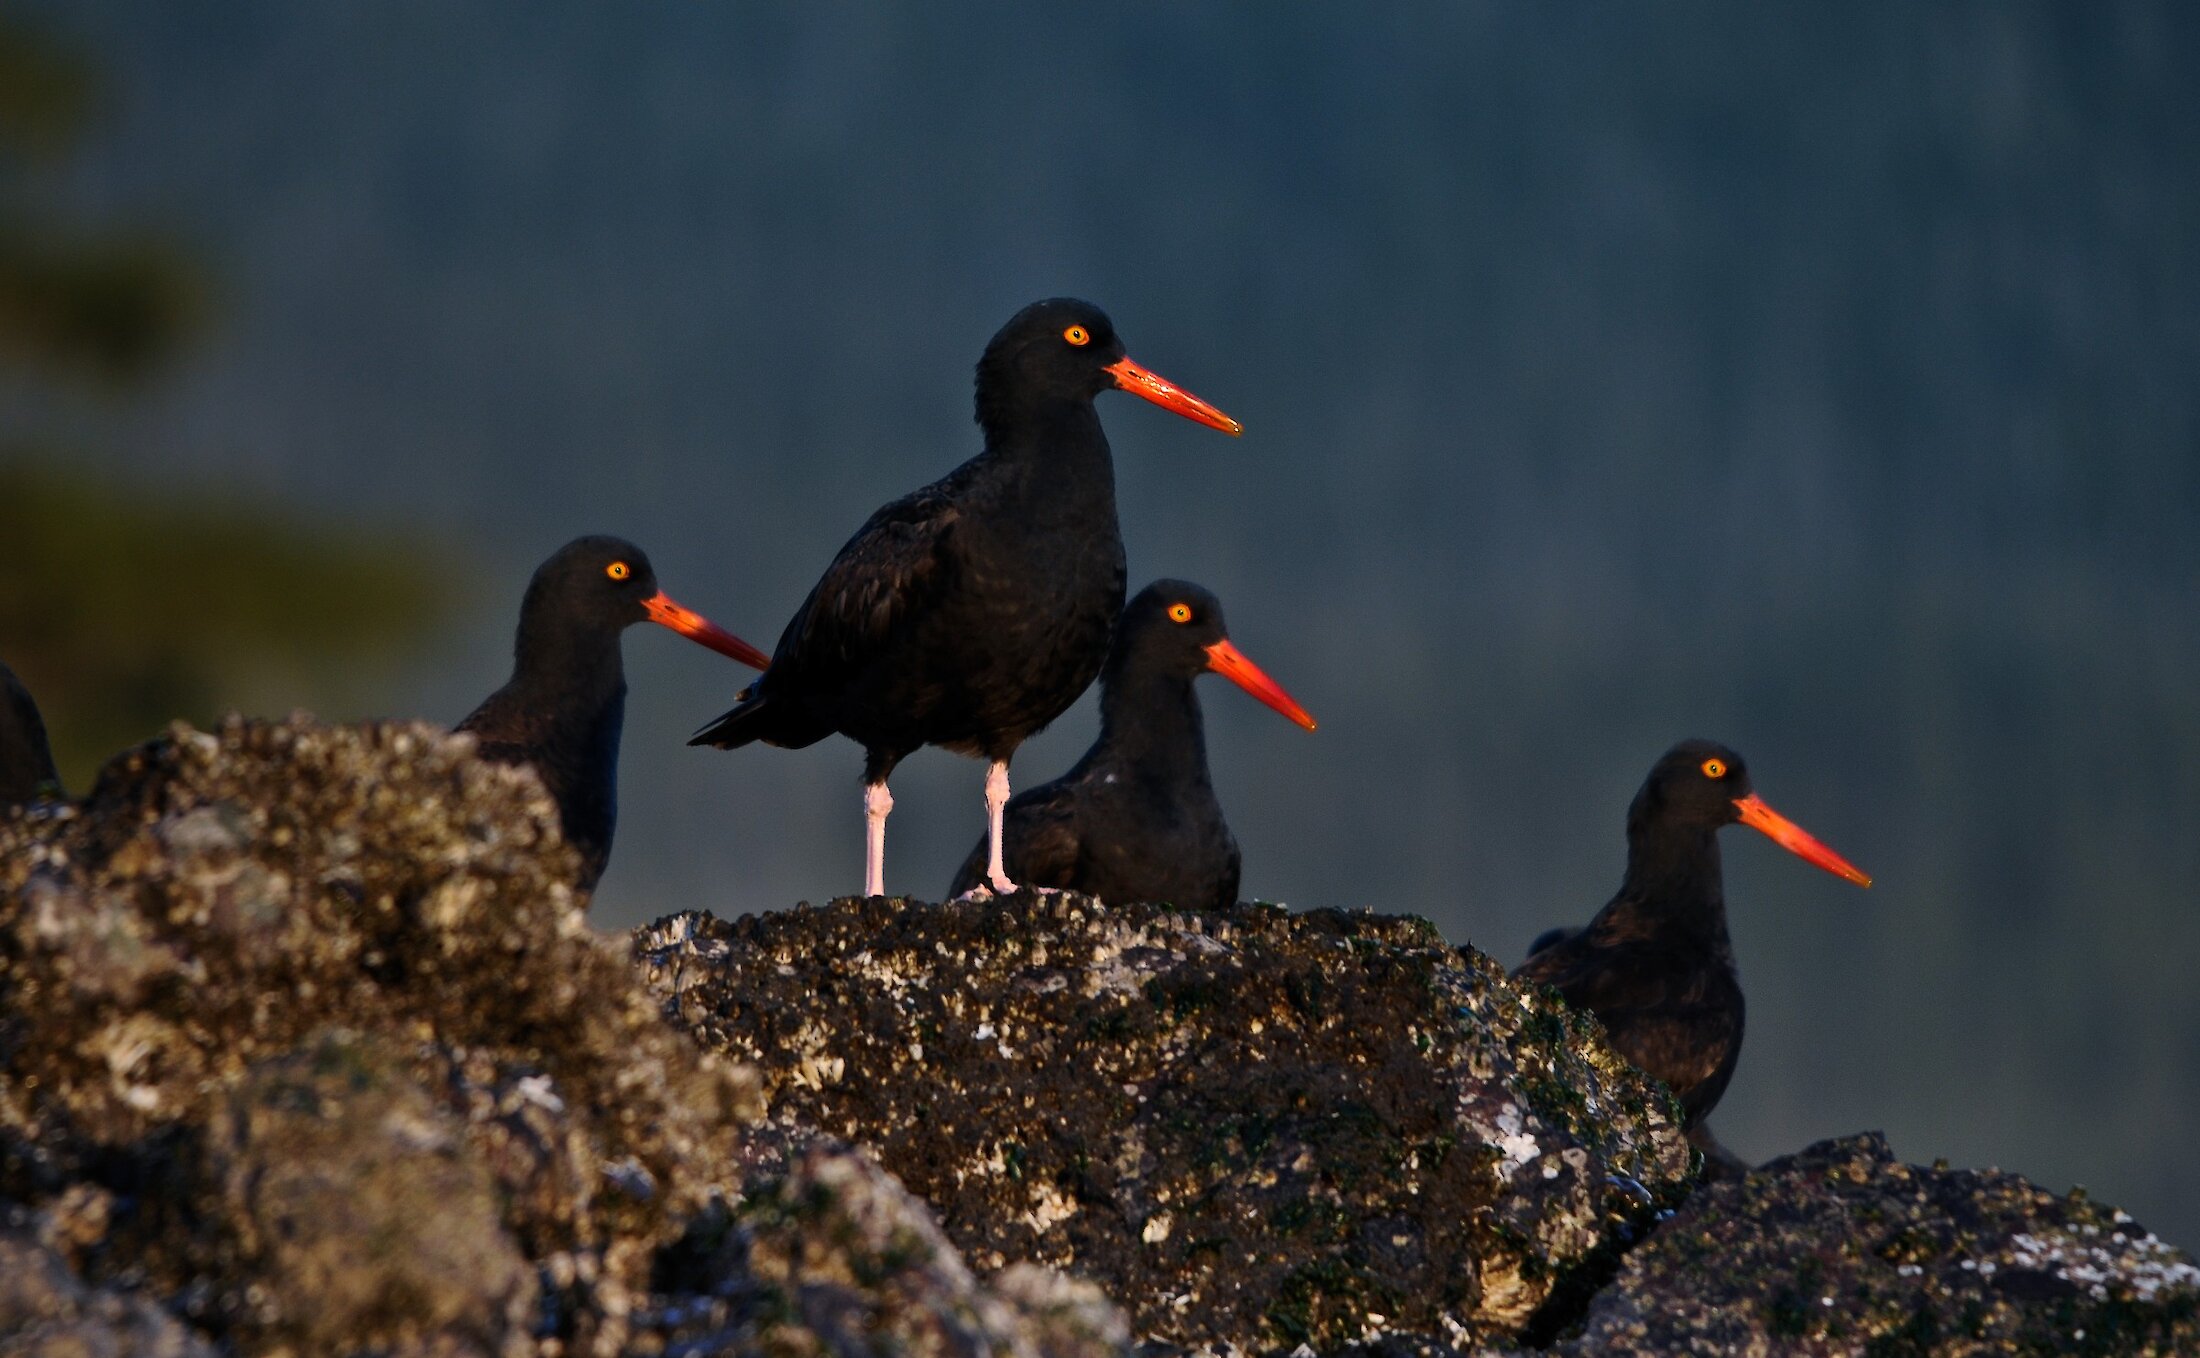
1795	839
1229	662
695	627
1169	396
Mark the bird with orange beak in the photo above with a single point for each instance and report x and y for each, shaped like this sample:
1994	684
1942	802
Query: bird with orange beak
1136	819
1656	965
562	710
973	612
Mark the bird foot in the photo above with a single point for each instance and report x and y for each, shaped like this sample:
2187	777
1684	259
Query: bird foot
986	891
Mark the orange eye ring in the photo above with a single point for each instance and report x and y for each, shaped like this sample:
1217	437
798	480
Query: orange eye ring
1077	334
618	570
1714	768
1180	612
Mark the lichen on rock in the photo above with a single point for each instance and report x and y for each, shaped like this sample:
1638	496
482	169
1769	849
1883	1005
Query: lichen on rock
1255	1128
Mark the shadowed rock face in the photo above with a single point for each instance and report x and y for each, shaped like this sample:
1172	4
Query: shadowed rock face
1254	1128
1842	1249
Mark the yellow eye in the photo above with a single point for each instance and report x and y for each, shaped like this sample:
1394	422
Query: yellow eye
1076	335
1714	768
618	570
1180	612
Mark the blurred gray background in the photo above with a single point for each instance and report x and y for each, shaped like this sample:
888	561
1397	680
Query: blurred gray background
1824	383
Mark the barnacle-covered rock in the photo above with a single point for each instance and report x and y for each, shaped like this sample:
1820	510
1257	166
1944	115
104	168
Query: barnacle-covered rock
1842	1249
358	1211
175	955
46	1311
1255	1128
305	1048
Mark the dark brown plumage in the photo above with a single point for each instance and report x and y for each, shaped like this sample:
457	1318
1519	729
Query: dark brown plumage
1656	965
561	711
27	771
974	611
1136	819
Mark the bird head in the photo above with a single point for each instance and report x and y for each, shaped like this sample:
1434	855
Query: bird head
1064	349
1703	784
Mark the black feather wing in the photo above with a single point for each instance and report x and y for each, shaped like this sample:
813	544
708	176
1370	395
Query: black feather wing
1675	1014
896	565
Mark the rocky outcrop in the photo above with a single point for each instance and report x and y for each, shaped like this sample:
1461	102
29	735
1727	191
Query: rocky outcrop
305	1048
304	1043
1843	1249
1256	1129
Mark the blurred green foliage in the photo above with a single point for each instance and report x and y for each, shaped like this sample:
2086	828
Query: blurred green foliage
107	303
125	606
122	611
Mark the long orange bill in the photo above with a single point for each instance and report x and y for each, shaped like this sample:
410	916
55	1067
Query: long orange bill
1169	396
1229	662
1795	839
694	626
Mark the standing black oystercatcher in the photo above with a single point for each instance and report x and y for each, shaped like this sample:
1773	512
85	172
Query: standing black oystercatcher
1137	819
563	706
27	773
975	611
1656	965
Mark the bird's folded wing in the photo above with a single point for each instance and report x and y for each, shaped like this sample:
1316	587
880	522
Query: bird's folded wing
895	566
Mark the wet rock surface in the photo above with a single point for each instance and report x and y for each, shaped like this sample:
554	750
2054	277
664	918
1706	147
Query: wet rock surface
1256	1129
1842	1249
305	1048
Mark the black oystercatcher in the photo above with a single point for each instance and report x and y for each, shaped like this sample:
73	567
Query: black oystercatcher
27	773
563	706
1656	965
1137	819
974	611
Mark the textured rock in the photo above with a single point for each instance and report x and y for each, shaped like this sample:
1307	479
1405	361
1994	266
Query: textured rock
305	1049
46	1311
1254	1128
837	1257
360	1213
1841	1249
303	1041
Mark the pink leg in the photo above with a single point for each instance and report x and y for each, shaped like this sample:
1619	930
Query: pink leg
996	802
877	801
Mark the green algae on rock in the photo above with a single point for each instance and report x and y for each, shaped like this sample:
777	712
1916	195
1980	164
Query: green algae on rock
1255	1128
1842	1249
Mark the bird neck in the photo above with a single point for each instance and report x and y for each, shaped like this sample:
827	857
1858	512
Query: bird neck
570	669
1150	724
1058	435
1673	879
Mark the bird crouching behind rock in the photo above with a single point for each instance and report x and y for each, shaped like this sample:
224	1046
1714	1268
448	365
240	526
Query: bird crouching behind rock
27	772
1656	965
562	710
971	613
1136	819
